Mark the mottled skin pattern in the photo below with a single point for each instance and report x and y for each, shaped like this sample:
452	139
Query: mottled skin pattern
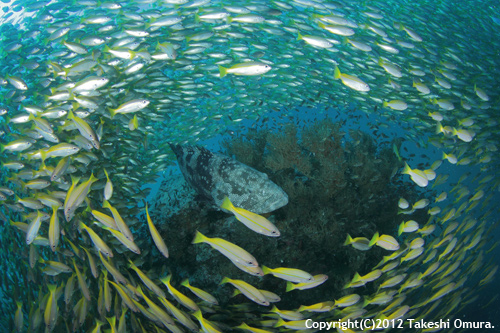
215	176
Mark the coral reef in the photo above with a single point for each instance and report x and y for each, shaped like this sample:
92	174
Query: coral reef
338	183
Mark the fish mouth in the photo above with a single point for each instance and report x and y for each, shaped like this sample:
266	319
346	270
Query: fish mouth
278	203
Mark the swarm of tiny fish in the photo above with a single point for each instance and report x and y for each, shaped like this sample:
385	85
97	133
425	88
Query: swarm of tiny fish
91	93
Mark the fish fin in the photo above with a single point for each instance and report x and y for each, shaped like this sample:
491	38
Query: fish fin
52	287
43	154
406	169
439	128
92	178
243	325
224	280
81	226
198	238
227	204
374	239
336	73
348	240
112	320
280	322
166	279
222	71
197	314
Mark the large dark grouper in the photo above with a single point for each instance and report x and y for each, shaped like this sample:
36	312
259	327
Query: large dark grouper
215	176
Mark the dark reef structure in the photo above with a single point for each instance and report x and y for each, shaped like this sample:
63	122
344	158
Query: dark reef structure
337	184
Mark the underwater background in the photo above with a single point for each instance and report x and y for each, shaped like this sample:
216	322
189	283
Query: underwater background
378	119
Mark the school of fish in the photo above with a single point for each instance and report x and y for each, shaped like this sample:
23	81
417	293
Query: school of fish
93	92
